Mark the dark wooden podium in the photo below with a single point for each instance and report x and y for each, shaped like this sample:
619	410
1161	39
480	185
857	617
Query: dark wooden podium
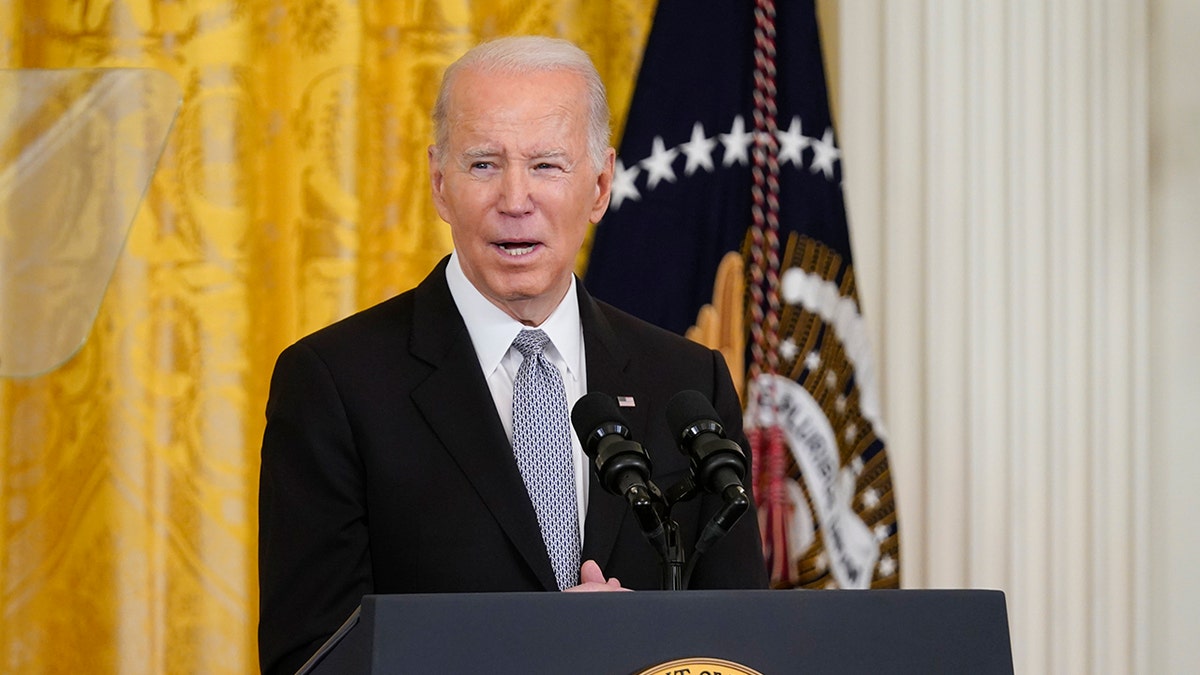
772	632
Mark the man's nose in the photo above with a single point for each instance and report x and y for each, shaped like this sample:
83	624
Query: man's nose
515	198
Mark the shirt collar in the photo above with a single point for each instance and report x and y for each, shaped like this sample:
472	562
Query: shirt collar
492	331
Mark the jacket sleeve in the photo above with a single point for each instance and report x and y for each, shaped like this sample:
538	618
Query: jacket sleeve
314	562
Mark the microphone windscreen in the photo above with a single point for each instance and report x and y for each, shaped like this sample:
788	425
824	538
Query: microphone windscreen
687	408
593	410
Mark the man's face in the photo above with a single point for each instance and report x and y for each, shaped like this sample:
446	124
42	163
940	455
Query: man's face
517	185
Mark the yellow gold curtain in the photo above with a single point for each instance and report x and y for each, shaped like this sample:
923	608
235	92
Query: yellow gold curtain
292	192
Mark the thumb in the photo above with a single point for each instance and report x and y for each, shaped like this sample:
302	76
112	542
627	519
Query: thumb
590	572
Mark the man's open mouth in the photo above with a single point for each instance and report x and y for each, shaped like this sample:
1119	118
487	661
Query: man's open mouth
518	248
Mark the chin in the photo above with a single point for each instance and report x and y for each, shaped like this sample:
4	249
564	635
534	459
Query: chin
523	294
522	285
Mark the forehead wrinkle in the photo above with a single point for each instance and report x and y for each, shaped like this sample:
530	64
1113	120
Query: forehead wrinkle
491	119
560	121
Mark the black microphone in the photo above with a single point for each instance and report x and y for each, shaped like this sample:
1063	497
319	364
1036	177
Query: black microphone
719	463
621	463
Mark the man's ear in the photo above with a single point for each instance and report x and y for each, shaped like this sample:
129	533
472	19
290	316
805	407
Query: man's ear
604	186
436	181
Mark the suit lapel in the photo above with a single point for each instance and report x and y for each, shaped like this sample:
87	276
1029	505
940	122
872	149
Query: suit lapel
458	406
607	363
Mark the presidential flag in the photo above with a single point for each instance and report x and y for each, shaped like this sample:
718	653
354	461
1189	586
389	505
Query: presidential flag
727	223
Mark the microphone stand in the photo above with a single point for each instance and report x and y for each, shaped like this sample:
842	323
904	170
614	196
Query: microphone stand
665	534
673	562
653	514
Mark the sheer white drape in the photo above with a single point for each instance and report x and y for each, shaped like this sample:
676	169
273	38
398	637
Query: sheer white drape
998	181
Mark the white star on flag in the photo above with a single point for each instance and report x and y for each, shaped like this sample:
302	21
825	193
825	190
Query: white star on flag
788	349
737	143
825	153
851	433
658	164
812	361
870	498
792	143
622	185
856	465
698	151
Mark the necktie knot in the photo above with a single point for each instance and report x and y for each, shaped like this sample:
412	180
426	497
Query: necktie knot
531	342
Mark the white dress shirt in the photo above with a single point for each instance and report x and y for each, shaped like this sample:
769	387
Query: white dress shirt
492	333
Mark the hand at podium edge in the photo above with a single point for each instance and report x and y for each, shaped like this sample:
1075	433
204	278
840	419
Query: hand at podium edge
591	579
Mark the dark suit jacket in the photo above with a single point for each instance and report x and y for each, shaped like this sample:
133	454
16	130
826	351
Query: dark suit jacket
385	468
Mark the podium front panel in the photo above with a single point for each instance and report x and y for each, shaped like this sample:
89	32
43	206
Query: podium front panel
772	632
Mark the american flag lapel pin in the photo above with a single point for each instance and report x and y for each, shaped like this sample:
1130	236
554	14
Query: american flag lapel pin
625	401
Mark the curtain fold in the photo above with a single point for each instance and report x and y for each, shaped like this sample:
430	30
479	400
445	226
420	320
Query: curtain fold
292	192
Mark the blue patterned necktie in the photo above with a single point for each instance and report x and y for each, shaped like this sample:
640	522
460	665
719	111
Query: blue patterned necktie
541	439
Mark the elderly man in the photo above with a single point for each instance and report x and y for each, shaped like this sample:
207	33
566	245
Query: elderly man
422	445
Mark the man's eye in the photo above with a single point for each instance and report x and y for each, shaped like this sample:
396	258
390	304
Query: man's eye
542	166
481	165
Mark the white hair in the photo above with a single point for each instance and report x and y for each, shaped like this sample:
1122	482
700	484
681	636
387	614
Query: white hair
530	54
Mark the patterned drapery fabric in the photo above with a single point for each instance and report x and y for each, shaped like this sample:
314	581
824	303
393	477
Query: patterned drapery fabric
291	193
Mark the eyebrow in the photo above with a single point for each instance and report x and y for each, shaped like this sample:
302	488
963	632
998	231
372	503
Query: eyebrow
477	153
485	152
550	153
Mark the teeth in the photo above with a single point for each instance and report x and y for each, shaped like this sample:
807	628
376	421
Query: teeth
515	250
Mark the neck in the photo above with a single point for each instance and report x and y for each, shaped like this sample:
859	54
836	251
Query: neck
531	312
